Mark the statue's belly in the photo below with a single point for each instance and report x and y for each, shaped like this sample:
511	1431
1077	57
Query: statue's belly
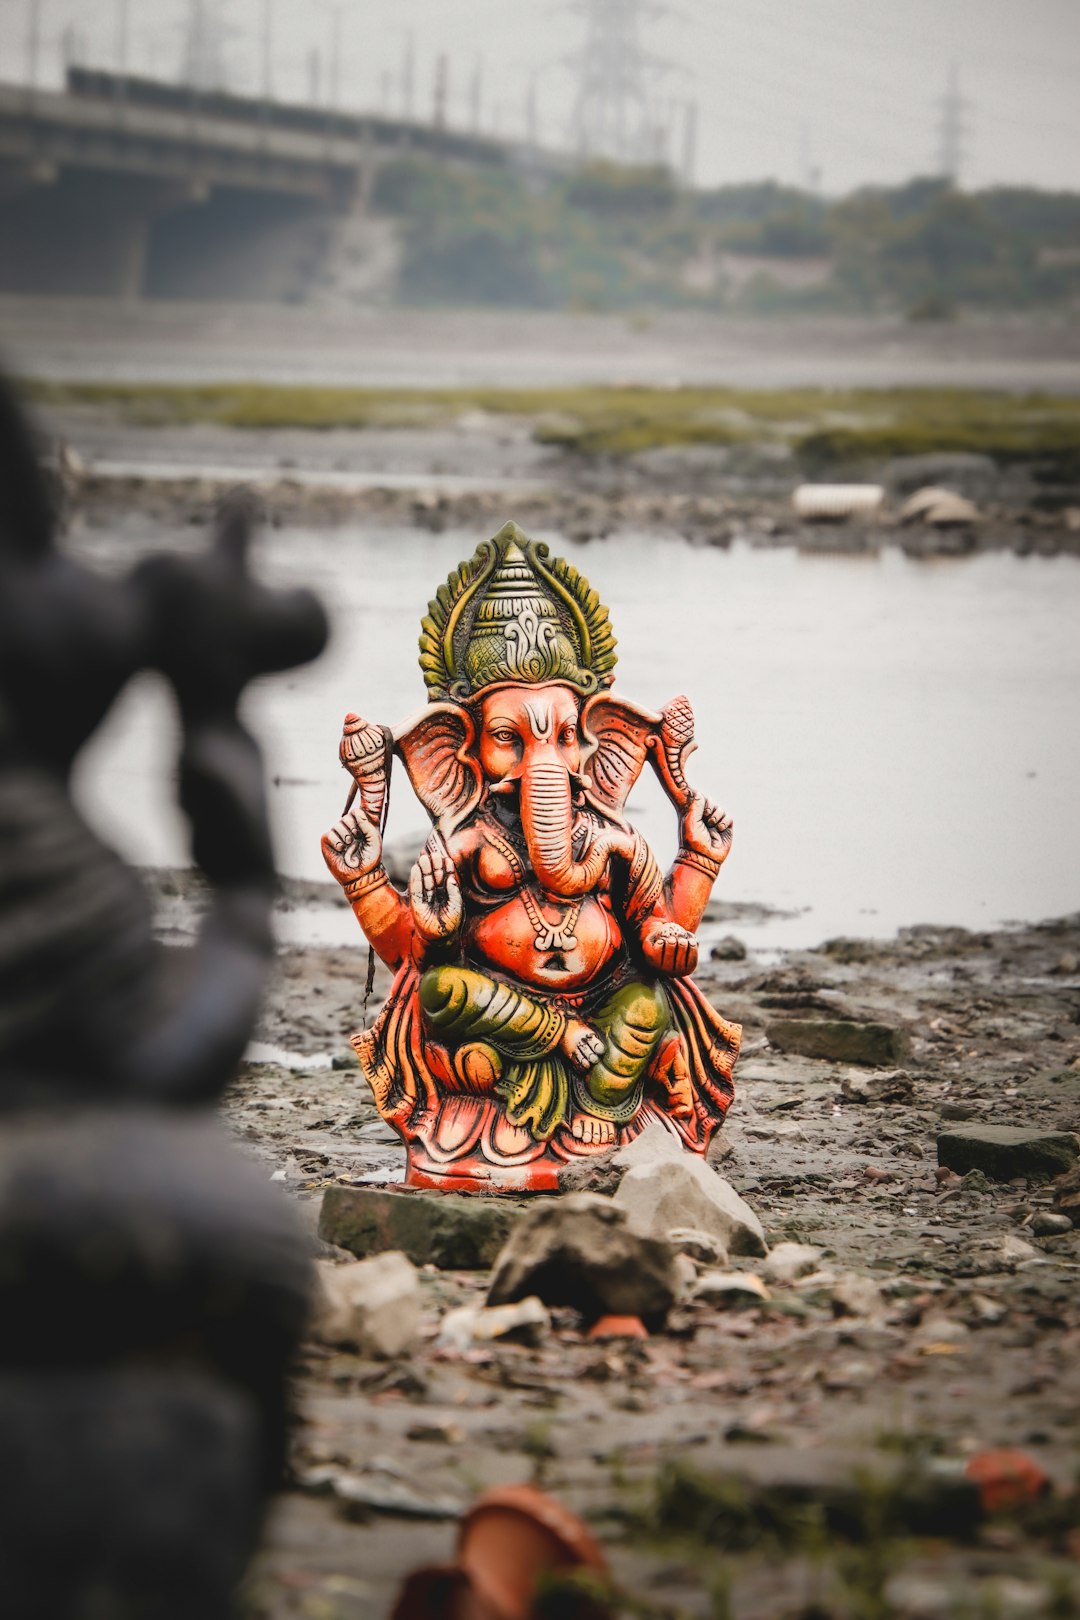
505	939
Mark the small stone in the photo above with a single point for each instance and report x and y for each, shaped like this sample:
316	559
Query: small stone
657	1141
1005	1151
940	508
443	1432
853	1295
939	1335
687	1192
526	1321
581	1250
839	1040
1015	1250
448	1230
1067	964
1045	1223
736	1289
789	1261
891	1086
372	1306
704	1247
592	1174
975	1181
728	949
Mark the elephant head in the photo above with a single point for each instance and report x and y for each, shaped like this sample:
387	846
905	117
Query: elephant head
538	742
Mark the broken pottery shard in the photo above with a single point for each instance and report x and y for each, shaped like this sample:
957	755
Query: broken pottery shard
372	1306
447	1230
789	1261
581	1251
731	1289
840	1040
1005	1151
672	1193
528	1321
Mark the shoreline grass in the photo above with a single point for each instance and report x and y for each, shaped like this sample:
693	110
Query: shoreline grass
824	426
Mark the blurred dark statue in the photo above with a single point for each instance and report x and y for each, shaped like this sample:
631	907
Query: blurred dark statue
153	1285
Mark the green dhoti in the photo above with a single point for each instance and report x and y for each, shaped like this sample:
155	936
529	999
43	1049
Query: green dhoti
536	1078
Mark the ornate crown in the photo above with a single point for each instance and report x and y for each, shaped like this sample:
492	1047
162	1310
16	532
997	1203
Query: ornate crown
512	614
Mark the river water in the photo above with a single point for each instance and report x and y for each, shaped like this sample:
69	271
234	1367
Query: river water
896	739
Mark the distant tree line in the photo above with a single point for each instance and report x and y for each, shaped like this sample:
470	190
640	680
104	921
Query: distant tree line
611	238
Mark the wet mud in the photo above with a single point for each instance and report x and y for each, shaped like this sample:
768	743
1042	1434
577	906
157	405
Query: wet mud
942	1319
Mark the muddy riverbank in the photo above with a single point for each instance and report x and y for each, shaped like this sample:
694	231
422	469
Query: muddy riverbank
962	1334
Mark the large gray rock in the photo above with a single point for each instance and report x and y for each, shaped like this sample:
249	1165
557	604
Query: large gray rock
580	1250
372	1306
1004	1151
448	1230
840	1040
669	1194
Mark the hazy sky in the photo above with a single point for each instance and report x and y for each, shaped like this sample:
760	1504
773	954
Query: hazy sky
849	87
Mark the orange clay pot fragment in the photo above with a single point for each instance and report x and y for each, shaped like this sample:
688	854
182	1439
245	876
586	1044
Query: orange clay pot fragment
1006	1479
514	1542
618	1327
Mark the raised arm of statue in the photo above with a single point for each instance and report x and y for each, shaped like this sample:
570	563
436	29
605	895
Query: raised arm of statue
705	834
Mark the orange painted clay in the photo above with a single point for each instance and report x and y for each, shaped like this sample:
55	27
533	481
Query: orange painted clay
618	1327
1006	1479
543	1007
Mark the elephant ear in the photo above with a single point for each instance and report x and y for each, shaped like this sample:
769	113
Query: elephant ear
445	774
618	735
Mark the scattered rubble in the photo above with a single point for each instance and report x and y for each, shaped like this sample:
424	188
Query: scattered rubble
581	1250
893	1086
1004	1151
940	509
448	1230
839	1040
731	1289
527	1321
674	1193
789	1261
372	1306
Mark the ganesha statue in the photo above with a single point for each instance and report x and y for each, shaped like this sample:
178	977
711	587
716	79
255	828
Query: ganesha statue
542	1006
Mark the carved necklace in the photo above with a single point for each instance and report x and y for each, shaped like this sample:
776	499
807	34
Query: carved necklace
550	936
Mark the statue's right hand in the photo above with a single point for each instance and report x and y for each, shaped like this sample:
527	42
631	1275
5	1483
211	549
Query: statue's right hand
435	893
352	847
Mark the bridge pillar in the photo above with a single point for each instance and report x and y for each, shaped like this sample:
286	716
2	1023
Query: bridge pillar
86	233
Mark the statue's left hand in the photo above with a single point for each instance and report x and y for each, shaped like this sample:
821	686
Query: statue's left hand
707	830
435	893
670	948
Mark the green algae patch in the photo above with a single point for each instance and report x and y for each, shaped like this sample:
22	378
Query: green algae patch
825	427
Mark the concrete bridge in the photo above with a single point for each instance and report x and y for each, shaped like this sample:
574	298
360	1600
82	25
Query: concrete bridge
130	187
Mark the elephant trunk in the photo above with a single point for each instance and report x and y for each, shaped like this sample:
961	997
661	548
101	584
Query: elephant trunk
547	822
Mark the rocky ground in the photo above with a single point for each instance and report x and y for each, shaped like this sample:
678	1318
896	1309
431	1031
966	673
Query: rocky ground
789	1455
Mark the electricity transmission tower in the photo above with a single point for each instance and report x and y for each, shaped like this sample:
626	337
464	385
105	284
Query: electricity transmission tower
952	128
615	114
202	63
